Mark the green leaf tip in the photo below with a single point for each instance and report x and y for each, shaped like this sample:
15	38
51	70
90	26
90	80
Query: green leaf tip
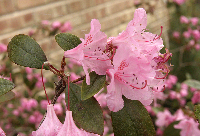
5	90
132	120
25	51
5	86
67	41
96	84
86	114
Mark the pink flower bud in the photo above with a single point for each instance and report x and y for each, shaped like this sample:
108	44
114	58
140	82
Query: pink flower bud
194	21
45	23
16	112
196	34
32	119
184	92
65	27
172	94
33	103
56	25
176	34
197	47
186	34
184	20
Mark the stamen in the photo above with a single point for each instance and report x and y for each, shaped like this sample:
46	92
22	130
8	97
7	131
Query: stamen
160	33
43	84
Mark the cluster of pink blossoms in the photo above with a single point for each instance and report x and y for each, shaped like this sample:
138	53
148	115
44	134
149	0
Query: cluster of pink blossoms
132	61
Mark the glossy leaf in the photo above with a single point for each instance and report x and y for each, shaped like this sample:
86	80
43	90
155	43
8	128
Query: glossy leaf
171	131
96	84
132	120
7	96
197	112
5	86
87	114
67	41
25	51
193	83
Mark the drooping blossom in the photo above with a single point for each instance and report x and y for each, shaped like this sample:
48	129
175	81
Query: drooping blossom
188	127
51	124
69	128
138	65
90	53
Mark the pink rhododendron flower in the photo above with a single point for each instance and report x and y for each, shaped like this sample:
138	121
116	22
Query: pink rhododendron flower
137	64
69	128
184	20
164	118
2	133
188	127
179	2
194	20
90	53
51	124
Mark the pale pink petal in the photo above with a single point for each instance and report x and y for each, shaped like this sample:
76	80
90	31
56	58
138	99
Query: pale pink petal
114	95
2	133
51	124
69	128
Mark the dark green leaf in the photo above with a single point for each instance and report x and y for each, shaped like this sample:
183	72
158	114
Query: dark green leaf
171	131
193	83
132	120
67	41
5	86
87	114
197	112
96	84
6	97
25	51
